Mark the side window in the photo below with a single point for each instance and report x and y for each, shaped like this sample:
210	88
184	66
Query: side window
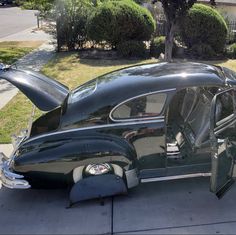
141	107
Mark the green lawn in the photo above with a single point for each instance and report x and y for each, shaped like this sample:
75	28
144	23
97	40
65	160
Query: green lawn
72	71
11	51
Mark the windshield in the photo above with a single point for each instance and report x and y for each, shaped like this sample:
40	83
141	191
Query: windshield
83	91
229	73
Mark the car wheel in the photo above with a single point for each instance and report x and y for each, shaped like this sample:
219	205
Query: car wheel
96	169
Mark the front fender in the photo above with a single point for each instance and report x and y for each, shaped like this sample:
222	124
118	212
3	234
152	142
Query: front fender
62	156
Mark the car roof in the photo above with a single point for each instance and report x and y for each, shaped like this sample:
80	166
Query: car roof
137	80
161	76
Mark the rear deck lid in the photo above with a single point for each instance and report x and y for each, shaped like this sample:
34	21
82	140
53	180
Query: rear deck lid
44	92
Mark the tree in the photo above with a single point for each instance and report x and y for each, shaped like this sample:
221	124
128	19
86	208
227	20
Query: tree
71	18
175	11
212	2
42	5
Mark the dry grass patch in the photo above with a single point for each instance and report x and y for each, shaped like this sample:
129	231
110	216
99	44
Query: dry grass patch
72	71
14	44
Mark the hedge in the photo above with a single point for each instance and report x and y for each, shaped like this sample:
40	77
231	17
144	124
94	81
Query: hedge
204	25
119	21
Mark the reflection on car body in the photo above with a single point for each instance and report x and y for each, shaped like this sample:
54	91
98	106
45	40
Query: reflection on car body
141	124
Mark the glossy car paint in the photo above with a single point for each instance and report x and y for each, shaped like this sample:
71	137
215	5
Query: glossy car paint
87	135
44	92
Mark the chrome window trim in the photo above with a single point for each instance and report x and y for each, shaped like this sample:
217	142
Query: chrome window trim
94	127
136	97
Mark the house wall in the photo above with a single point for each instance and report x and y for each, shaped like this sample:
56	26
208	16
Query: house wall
226	7
228	11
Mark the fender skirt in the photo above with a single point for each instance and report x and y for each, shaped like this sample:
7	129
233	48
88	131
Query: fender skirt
97	187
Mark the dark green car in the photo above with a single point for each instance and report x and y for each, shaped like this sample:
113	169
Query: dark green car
156	122
6	2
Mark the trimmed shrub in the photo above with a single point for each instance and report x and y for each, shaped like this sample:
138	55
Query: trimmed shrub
231	51
120	20
132	49
157	46
204	25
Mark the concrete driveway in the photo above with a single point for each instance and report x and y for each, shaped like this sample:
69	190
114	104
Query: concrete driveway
174	207
14	20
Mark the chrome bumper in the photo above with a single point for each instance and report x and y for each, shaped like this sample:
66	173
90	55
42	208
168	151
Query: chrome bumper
9	179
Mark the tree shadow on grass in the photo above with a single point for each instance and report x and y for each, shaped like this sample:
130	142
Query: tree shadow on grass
96	62
214	61
109	62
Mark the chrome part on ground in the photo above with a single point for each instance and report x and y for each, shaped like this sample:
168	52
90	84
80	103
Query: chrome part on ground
132	178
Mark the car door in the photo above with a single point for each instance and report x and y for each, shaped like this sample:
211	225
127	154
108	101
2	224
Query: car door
222	134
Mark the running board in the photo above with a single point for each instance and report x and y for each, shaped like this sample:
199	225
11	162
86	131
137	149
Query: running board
175	177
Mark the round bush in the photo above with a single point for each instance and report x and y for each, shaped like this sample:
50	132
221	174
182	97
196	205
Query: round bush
204	25
157	46
231	51
121	20
131	49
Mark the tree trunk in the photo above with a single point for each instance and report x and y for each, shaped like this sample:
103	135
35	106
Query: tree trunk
170	32
58	36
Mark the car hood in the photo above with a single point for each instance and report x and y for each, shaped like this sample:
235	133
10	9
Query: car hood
43	91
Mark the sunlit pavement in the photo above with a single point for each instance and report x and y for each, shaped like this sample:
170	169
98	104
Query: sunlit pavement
20	25
182	207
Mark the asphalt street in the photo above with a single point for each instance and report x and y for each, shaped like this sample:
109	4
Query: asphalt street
14	20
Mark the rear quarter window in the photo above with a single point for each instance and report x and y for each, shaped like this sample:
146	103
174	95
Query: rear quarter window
141	107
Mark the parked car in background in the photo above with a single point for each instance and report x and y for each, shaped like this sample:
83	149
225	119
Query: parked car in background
6	2
155	122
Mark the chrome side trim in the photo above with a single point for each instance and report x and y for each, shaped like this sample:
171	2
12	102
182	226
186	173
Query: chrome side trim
175	177
94	127
133	98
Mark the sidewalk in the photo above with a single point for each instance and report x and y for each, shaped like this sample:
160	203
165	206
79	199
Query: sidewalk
30	34
6	149
32	61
